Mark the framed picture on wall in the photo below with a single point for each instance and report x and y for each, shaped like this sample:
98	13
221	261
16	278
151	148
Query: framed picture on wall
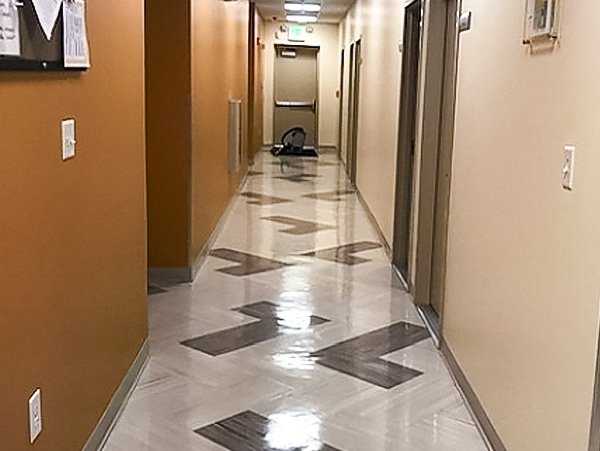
540	20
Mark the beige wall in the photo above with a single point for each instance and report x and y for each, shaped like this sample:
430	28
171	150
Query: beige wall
325	36
379	25
73	247
523	283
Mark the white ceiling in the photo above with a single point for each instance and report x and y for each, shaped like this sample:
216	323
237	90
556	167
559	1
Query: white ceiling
333	11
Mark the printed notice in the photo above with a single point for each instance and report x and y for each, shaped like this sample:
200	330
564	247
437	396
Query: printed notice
10	37
77	53
47	12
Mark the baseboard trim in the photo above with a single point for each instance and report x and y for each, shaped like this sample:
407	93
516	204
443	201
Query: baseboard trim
375	224
173	275
327	148
431	321
115	407
482	420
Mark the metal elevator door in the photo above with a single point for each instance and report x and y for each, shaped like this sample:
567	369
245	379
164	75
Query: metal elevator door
296	91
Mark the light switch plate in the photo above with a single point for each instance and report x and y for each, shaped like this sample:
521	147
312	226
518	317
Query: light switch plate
68	139
465	21
568	166
35	415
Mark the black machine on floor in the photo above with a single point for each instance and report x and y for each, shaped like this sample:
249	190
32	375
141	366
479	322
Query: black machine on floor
292	144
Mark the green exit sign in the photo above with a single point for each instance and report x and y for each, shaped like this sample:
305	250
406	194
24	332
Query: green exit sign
297	32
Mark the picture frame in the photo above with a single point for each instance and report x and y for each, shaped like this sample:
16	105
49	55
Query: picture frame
540	20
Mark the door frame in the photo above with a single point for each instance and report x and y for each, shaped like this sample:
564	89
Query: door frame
341	101
317	48
437	147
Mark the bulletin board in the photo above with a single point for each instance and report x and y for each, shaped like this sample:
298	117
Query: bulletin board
32	41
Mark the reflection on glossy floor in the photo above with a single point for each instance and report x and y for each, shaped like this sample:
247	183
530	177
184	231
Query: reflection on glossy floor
295	336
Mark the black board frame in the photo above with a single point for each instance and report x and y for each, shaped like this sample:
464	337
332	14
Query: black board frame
37	53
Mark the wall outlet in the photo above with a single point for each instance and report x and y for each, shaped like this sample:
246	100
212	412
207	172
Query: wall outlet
35	415
68	139
568	166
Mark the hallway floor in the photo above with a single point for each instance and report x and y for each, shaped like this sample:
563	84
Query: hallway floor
294	336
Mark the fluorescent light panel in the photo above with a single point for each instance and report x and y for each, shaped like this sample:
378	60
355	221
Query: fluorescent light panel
302	7
301	18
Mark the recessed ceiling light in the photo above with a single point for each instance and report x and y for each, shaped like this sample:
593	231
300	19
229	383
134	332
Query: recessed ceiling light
302	7
293	6
301	18
312	7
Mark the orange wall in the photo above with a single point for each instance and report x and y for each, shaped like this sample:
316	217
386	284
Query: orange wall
219	73
197	60
73	251
168	133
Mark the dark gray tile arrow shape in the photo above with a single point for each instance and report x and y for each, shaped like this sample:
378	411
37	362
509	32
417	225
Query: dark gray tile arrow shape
298	226
330	196
298	178
360	357
248	431
271	325
248	264
262	199
343	254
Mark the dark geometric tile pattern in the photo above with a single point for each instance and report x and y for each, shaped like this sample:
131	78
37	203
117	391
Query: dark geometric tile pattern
330	196
262	199
249	431
248	264
343	254
298	226
271	324
298	178
155	289
360	357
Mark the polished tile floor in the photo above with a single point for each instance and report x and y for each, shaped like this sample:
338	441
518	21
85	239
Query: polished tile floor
295	336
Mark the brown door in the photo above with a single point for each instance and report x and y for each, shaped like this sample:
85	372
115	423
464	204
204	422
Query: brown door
296	91
353	96
349	151
444	156
436	160
354	106
407	137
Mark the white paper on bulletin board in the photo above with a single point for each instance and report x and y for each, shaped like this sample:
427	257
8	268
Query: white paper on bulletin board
10	31
76	48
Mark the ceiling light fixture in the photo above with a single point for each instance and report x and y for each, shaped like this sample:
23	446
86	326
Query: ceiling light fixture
302	7
301	18
312	7
295	7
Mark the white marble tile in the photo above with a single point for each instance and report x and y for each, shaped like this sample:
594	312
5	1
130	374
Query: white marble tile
183	389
